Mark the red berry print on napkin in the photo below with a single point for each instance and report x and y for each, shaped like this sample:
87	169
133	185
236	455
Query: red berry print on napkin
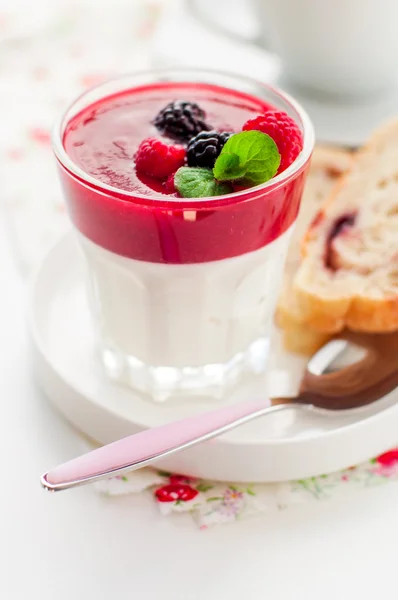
15	154
91	79
39	135
175	492
176	478
4	20
40	73
388	458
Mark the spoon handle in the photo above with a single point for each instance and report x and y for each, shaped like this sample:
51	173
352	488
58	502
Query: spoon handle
355	385
141	449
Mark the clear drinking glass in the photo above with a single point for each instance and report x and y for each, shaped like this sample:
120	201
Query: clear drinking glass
182	291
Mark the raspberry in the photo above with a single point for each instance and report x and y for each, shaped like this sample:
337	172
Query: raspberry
181	120
283	130
157	159
205	147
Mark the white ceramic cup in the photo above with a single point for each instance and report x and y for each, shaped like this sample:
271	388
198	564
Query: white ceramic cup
346	48
339	47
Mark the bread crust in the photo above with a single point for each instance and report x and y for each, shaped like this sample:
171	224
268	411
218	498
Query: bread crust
327	165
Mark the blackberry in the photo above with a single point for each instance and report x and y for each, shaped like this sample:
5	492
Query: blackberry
204	148
181	120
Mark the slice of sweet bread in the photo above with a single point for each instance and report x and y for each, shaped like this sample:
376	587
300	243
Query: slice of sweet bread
327	165
348	276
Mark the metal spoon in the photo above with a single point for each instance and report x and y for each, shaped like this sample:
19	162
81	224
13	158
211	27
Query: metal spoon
146	447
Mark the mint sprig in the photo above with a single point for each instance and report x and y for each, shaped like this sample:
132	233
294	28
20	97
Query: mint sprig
194	182
250	156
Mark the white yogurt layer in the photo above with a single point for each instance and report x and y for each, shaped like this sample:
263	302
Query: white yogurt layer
186	315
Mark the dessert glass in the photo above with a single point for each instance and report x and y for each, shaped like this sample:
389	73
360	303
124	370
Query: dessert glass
182	291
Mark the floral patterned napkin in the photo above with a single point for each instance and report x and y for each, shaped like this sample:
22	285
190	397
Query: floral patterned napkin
212	503
44	64
42	69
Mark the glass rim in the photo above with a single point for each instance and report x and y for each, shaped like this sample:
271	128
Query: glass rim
122	195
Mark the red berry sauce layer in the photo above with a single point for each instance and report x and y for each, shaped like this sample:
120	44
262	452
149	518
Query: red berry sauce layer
141	217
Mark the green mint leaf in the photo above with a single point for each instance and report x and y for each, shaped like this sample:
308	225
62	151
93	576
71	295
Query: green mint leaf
194	182
204	487
228	165
251	156
164	473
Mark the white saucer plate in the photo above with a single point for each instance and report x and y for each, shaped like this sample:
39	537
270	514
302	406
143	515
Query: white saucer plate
292	445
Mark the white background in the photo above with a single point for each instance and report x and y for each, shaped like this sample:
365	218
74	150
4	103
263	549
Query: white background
77	545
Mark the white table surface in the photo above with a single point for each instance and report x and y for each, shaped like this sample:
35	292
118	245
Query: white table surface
77	545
